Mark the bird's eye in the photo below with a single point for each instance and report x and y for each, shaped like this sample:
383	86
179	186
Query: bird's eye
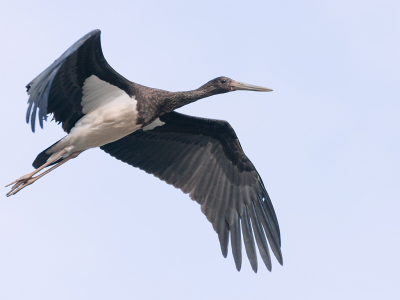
223	80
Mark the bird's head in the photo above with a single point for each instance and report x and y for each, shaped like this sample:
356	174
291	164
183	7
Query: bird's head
224	84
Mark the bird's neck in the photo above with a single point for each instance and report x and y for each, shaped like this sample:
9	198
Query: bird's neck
180	99
153	103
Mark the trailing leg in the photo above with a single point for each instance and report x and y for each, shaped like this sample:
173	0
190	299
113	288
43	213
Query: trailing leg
28	179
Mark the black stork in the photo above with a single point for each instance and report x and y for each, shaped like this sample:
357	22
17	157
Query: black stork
98	107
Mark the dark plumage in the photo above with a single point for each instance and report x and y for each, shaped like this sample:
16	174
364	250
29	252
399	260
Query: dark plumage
137	125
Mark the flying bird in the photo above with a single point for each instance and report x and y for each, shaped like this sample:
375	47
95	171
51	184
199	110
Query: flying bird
136	124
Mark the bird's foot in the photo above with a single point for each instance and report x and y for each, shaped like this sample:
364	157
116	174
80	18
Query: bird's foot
21	183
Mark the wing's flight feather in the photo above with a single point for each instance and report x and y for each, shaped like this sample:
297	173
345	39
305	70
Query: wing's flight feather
203	157
58	89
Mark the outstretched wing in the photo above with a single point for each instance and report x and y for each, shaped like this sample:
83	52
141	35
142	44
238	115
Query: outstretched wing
59	88
204	158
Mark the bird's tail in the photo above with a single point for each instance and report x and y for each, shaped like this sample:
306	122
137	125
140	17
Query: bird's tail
42	158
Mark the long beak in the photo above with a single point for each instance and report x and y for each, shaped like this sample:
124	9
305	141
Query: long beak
236	85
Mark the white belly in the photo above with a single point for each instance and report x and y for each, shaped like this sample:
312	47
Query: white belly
103	126
110	114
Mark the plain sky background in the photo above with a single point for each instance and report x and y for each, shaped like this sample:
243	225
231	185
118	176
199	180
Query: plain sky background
326	143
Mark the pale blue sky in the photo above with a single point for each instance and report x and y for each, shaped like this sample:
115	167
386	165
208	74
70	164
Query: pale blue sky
326	143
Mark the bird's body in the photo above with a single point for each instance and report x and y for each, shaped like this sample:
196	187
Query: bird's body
109	115
136	124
